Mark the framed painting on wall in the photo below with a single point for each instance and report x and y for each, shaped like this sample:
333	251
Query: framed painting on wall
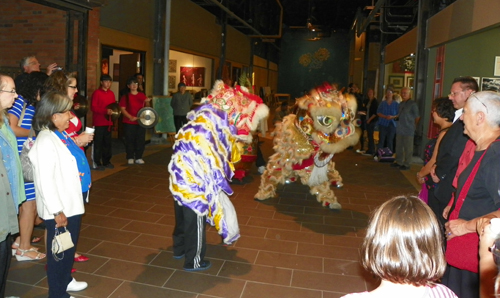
193	76
496	72
490	84
172	65
478	80
105	66
396	81
410	82
171	82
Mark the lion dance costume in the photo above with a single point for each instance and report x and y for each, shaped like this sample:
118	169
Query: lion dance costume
202	165
306	142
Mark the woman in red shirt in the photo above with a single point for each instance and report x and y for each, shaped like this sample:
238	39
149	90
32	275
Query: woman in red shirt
135	135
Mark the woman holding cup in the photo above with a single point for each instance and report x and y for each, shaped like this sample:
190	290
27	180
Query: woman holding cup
66	83
62	178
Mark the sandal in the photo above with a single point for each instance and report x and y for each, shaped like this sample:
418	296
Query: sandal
24	257
15	246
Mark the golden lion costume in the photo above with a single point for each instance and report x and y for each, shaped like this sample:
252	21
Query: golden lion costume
306	142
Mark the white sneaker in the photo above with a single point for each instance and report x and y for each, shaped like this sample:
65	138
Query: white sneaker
139	161
75	286
131	161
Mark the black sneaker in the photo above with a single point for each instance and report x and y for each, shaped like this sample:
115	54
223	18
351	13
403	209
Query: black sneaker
109	166
395	165
404	168
204	265
98	168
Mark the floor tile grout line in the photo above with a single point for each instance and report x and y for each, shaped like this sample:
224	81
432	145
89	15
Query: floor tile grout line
102	265
116	289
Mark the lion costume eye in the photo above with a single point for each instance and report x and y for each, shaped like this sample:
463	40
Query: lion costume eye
325	120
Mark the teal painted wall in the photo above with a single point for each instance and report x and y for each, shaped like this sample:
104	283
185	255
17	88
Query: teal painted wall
295	78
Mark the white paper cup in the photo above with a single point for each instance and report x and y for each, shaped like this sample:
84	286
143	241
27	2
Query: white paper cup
89	130
495	225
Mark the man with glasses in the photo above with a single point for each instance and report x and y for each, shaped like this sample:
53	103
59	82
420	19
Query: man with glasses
29	64
451	147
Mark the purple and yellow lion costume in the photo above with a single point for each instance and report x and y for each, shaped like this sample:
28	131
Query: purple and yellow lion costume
205	152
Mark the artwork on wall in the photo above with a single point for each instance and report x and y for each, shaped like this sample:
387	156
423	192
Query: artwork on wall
497	66
171	82
314	60
490	84
172	65
478	80
396	81
116	72
193	76
410	82
105	66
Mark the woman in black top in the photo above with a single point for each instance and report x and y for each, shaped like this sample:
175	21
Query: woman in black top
371	120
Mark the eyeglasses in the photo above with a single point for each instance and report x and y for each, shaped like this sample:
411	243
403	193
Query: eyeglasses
13	91
453	94
74	87
472	94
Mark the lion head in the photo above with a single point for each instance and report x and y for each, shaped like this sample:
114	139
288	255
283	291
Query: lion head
328	117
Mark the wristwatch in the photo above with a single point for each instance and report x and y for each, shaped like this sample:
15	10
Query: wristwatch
56	214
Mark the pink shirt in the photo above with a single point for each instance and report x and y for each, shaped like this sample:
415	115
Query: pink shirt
437	291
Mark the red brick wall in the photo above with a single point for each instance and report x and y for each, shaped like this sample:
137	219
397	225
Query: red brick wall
28	28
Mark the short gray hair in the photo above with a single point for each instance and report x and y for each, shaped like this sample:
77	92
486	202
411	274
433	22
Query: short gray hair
24	61
487	102
50	104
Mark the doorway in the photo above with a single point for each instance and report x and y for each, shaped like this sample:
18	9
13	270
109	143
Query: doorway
121	64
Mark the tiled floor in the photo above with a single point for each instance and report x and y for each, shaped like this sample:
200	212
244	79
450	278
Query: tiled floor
290	246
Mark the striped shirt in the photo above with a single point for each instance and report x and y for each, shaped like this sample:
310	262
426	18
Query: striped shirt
26	123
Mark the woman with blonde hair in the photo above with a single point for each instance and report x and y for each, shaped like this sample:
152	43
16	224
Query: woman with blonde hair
404	248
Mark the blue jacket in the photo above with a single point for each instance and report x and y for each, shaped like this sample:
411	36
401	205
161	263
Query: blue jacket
12	163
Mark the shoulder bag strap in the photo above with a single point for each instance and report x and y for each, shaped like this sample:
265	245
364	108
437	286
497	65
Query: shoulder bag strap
467	185
32	132
21	117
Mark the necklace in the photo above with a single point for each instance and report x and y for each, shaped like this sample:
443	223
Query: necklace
324	162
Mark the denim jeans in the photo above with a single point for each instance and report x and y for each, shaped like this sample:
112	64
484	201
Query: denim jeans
386	134
59	272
